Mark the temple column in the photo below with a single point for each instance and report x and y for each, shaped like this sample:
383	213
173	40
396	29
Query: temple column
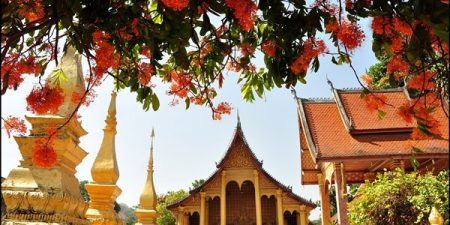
202	208
280	207
303	216
257	198
223	200
207	211
324	200
341	194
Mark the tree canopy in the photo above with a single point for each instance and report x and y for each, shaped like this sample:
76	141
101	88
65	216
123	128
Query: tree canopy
191	44
401	198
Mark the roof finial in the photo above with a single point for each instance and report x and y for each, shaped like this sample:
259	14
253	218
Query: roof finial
329	82
238	119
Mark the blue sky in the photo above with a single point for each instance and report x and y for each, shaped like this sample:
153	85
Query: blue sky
189	142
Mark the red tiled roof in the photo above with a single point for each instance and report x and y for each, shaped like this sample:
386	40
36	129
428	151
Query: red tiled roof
331	140
364	119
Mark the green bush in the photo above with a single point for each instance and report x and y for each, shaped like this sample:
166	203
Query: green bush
399	198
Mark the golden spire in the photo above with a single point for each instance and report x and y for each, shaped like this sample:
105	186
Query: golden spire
68	75
105	168
148	196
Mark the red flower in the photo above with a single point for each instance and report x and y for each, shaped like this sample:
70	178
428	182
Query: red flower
43	154
422	81
247	49
14	125
397	66
375	101
332	26
16	67
350	34
269	48
45	99
402	27
311	49
222	108
406	113
382	25
146	70
104	54
175	5
244	12
32	10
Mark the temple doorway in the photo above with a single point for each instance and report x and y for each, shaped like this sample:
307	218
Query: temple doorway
194	218
290	218
241	209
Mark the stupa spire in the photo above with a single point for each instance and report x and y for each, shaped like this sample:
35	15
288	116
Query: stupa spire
103	191
71	80
105	169
146	213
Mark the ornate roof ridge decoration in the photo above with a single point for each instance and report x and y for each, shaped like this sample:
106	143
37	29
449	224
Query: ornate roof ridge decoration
238	133
307	131
359	89
318	100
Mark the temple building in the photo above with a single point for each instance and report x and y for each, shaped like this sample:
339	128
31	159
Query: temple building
343	142
240	191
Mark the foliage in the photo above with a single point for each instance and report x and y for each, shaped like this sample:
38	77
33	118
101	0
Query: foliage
197	183
127	213
165	216
190	44
399	198
86	197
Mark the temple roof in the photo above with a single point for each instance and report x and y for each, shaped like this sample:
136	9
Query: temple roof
239	149
324	126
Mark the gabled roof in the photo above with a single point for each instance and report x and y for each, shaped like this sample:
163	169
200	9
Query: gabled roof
325	128
239	146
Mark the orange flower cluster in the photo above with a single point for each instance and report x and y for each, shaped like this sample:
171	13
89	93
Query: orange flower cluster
423	81
175	5
146	52
104	54
269	48
394	29
45	99
375	101
350	34
368	80
14	125
16	67
398	67
311	49
406	112
244	11
77	97
145	72
247	49
233	66
180	84
43	154
326	6
32	10
222	108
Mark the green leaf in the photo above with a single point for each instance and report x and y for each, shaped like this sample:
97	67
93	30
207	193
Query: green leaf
155	102
58	77
188	102
381	114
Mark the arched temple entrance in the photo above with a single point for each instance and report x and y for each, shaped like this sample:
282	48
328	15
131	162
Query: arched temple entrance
290	218
194	218
214	211
241	209
269	210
